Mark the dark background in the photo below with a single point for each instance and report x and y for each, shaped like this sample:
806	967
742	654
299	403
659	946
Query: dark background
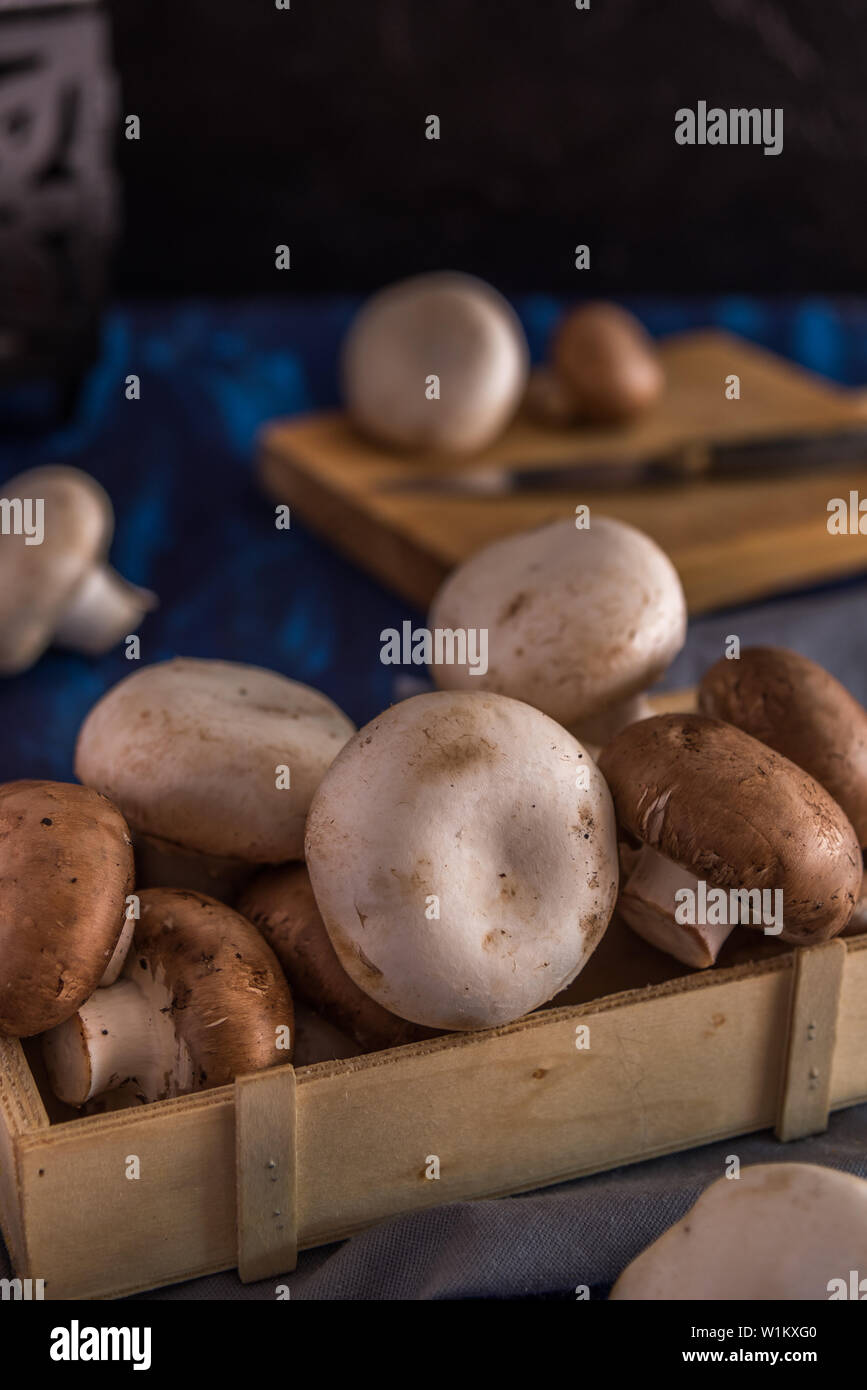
306	127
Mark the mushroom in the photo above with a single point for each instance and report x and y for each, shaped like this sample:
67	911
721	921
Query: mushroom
317	1040
281	904
192	752
462	852
447	326
700	802
606	363
201	1000
791	1231
66	868
797	707
579	621
55	583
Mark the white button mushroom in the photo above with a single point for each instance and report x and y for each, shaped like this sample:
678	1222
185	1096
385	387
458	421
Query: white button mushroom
59	589
463	855
579	621
435	362
214	763
790	1231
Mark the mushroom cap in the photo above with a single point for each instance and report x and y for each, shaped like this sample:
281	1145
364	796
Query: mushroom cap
779	1231
66	867
736	814
189	750
607	361
281	904
466	804
228	993
454	326
796	707
37	582
577	619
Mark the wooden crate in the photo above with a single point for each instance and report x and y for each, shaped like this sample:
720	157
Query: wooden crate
287	1159
247	1175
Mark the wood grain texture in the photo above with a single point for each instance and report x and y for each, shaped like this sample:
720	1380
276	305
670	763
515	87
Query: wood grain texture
817	978
731	540
266	1171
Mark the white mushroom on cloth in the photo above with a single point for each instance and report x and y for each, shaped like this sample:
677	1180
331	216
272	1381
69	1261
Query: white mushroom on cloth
791	1231
60	589
446	325
797	707
201	1000
281	904
699	801
66	868
190	750
463	855
580	621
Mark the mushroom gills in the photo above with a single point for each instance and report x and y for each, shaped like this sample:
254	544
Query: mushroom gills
104	608
120	1034
647	904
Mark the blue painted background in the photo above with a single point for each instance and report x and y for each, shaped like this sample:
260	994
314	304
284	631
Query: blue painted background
192	526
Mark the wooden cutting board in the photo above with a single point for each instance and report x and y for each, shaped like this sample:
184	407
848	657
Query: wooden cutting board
731	540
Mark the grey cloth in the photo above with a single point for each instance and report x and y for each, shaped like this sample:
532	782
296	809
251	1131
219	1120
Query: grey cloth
583	1232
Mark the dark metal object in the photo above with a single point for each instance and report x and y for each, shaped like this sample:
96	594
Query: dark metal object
57	191
760	458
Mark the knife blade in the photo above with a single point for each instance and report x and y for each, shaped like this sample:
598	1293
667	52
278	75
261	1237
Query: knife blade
771	456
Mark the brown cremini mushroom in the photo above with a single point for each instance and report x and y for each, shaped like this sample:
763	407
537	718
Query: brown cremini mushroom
201	1000
281	904
214	765
606	362
57	587
699	802
796	707
66	868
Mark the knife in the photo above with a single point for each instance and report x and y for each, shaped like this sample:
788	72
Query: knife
772	455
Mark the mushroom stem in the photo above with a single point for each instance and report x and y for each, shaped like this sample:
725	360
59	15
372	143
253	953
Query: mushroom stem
119	954
120	1033
597	729
161	865
104	609
647	904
